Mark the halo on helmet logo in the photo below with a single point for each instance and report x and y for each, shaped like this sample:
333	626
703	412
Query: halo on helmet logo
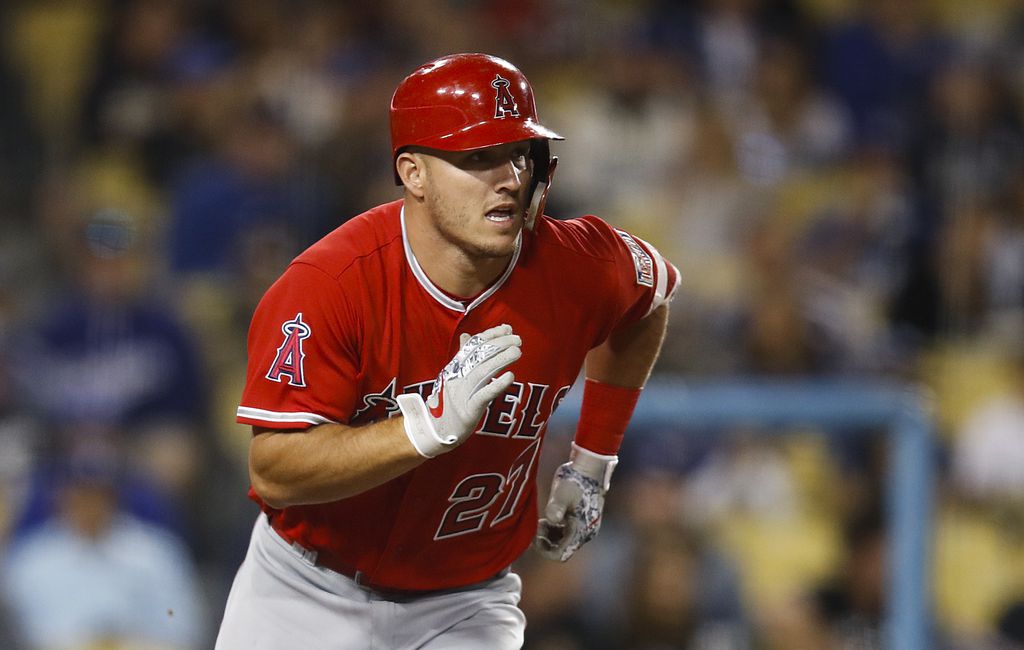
504	102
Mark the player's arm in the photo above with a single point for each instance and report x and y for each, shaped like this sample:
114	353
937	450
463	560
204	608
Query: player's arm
627	356
332	461
616	371
328	462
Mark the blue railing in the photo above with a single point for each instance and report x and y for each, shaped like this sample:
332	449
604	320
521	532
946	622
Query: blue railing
902	411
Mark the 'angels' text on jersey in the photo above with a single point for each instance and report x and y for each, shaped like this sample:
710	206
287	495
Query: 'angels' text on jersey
520	412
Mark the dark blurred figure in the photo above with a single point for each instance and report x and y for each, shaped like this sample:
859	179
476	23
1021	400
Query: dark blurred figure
109	351
845	611
776	334
965	160
1010	625
17	436
668	603
128	104
788	125
851	262
849	608
252	180
880	64
970	144
95	576
21	156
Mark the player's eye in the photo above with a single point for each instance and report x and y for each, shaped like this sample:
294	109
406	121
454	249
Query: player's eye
520	157
495	157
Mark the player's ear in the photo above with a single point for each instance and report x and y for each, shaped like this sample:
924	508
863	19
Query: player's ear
410	167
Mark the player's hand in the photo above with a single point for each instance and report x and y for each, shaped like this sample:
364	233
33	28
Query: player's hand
461	392
573	513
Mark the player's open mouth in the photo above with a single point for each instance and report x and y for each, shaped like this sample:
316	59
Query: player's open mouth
500	216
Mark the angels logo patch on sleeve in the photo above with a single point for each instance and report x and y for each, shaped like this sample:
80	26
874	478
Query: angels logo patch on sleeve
290	357
641	259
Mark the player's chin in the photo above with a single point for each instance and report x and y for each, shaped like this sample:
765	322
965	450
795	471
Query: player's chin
506	229
496	247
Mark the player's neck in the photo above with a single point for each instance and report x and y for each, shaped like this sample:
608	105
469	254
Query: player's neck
460	279
448	266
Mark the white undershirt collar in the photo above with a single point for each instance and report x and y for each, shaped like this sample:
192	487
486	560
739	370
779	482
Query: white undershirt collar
441	296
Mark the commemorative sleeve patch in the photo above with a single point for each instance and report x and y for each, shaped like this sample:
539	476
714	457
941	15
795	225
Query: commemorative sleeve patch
641	259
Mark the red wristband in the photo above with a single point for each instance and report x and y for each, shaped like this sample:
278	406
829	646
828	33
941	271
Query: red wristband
604	416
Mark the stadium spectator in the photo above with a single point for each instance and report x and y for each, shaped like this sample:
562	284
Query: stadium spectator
126	103
788	126
880	62
94	574
988	450
1010	625
845	610
109	354
676	596
252	180
20	151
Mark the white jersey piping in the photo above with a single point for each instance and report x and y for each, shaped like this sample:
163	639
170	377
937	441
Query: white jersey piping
441	296
281	416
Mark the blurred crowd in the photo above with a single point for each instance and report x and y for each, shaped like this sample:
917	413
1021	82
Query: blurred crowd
840	182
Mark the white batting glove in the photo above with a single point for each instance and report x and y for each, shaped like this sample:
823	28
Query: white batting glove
573	514
461	392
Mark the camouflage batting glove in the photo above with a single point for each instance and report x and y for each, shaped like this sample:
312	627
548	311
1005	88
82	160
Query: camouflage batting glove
573	513
461	392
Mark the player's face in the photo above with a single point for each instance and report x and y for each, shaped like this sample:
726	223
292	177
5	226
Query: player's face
476	199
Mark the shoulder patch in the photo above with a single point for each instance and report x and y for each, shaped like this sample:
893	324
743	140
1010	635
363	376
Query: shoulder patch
290	357
641	259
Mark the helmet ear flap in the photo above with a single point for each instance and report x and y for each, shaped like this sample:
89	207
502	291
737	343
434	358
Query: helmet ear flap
543	171
540	154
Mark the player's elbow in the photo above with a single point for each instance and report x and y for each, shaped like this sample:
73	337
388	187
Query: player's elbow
271	493
271	490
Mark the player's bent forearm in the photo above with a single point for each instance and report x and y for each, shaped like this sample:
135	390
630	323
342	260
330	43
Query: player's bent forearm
327	462
628	355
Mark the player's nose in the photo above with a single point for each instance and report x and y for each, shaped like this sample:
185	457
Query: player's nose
510	175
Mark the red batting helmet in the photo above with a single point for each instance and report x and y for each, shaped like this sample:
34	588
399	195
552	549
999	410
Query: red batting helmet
469	101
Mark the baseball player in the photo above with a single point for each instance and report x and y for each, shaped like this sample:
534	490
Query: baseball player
401	374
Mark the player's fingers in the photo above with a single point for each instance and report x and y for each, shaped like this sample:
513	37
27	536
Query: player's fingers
555	512
506	341
463	338
567	552
550	542
487	349
548	551
548	536
489	392
500	360
494	332
479	376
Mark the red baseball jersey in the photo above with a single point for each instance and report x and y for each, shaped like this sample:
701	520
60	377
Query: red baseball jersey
354	322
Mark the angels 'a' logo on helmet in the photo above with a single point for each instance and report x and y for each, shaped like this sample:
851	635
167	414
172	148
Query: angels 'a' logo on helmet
504	102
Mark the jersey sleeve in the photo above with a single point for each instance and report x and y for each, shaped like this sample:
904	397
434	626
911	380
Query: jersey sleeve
303	359
642	279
